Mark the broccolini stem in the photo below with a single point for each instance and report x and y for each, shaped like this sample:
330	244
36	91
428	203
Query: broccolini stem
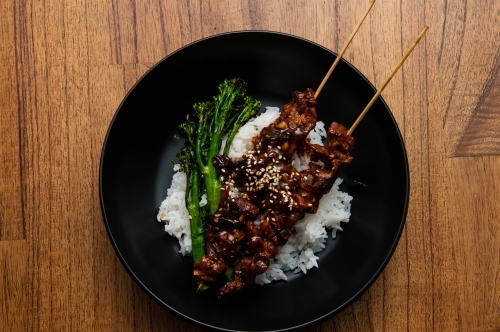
193	207
229	91
212	185
250	109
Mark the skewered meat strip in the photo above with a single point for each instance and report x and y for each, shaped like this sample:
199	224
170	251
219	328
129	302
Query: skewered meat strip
264	183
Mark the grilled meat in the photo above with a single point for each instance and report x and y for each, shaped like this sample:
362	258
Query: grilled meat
264	195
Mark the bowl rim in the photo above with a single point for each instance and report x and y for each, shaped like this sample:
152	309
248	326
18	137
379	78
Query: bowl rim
311	322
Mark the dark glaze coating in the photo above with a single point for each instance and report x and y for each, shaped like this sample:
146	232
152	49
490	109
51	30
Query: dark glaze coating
272	191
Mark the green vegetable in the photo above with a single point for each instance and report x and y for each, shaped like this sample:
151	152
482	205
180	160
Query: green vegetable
229	273
203	134
351	181
192	198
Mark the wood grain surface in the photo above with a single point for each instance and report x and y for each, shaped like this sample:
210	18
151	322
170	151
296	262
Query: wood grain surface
66	65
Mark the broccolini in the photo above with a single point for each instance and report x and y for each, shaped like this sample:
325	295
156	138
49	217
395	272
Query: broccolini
203	134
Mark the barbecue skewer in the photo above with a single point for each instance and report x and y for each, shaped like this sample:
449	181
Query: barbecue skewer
339	56
394	71
238	284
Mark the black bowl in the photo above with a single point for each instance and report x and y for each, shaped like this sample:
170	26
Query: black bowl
136	172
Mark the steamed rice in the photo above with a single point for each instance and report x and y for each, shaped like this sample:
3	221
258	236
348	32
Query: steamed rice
298	254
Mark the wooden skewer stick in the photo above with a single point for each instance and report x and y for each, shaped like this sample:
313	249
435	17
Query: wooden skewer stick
372	101
339	56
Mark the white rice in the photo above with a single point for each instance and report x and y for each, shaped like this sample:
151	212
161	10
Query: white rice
298	255
242	141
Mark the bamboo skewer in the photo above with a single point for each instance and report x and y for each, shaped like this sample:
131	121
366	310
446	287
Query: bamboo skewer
379	91
339	56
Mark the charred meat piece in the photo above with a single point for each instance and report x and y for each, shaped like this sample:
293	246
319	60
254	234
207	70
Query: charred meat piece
243	278
208	268
290	130
244	206
339	143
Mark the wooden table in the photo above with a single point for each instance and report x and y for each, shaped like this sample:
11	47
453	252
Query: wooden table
66	65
